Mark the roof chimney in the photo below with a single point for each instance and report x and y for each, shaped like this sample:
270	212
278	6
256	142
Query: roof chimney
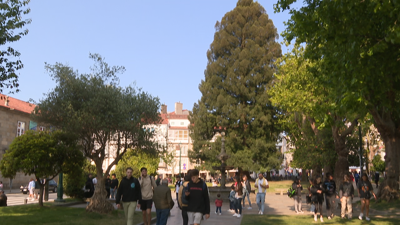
164	109
178	108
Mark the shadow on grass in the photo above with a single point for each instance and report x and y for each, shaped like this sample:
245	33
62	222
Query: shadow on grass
302	220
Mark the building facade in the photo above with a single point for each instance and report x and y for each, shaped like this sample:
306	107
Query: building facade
14	121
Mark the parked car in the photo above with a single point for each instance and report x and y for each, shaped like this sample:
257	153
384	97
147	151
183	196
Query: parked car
52	187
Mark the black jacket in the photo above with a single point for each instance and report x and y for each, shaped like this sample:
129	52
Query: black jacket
298	189
114	183
346	189
330	187
129	189
199	201
3	200
316	197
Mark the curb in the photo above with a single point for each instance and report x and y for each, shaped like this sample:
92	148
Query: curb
154	219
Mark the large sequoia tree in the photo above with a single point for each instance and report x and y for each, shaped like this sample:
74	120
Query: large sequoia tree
235	90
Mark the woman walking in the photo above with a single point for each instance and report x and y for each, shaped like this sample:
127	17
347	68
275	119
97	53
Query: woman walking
365	191
346	192
317	198
238	197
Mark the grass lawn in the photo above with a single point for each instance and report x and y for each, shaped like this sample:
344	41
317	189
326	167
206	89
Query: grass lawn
32	214
384	205
299	220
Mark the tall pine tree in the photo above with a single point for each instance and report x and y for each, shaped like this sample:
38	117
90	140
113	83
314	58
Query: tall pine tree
235	91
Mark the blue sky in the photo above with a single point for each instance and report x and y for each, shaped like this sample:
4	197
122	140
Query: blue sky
162	44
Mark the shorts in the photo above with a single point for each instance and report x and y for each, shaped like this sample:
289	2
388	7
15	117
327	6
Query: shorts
31	191
195	217
145	204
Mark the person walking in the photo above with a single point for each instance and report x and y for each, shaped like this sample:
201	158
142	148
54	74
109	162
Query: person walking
365	191
113	186
312	207
107	185
218	204
238	197
232	199
198	198
346	193
297	195
261	186
94	182
178	184
377	179
317	197
183	206
89	187
31	188
3	198
330	194
1	185
147	185
130	191
247	190
163	202
356	177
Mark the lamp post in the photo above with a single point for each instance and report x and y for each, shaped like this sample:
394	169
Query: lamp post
60	190
180	158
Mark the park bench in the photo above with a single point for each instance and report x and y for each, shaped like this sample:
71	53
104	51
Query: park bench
281	190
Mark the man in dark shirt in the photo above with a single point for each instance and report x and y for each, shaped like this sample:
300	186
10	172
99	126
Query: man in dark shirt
107	184
330	194
129	190
199	201
3	199
113	186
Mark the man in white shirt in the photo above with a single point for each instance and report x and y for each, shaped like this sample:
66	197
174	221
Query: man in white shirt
261	186
94	182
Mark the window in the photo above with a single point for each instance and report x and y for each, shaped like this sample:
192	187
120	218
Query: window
182	123
42	128
172	123
178	135
20	128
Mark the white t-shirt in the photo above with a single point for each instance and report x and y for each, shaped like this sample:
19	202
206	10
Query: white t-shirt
95	181
260	182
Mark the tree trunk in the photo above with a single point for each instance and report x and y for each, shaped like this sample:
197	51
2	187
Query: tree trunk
327	169
41	190
390	133
304	175
98	202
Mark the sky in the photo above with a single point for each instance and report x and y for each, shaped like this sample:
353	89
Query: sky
162	44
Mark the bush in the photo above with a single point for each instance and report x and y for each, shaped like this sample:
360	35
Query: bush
75	181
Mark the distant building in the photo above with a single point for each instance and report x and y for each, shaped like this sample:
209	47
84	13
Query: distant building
14	121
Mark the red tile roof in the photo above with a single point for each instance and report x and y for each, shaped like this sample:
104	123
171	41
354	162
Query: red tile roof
16	104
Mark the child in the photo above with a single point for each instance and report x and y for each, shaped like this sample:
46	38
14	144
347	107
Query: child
232	199
218	204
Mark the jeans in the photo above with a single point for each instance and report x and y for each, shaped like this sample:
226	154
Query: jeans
238	206
248	198
185	216
162	216
231	204
218	208
260	199
330	202
177	198
113	193
129	209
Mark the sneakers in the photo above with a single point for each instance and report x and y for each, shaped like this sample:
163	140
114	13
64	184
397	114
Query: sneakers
238	216
360	216
322	219
329	218
249	207
219	213
215	212
301	212
315	218
367	219
296	212
235	214
261	213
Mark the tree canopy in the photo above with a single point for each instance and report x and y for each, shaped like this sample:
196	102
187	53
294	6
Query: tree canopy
101	113
235	90
11	30
359	43
42	153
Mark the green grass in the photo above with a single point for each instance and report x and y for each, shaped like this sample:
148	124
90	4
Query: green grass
384	205
32	214
300	220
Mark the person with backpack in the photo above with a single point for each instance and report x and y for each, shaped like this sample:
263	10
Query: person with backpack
198	198
317	197
261	184
130	192
346	193
147	185
247	190
296	186
330	194
183	203
365	191
356	177
178	184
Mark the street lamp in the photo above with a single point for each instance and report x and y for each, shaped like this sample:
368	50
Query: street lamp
180	158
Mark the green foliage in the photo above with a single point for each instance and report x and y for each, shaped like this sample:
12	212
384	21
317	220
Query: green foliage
137	160
95	108
379	164
235	90
11	26
75	180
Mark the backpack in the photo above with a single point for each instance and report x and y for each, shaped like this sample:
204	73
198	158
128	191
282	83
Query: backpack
291	192
183	197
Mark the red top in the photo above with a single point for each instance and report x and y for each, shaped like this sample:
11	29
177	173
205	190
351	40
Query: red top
218	202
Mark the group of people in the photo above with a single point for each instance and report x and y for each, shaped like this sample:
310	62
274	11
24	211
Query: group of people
320	191
110	184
